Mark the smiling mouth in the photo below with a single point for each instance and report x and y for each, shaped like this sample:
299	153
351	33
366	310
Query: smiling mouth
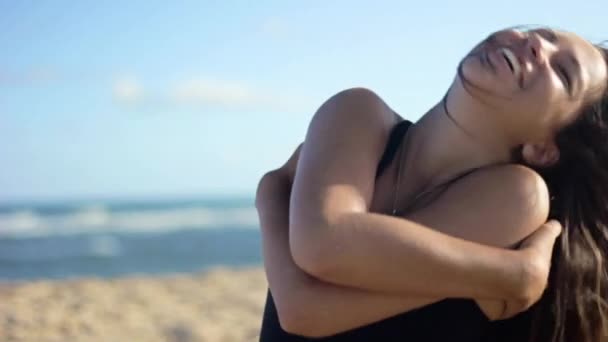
511	61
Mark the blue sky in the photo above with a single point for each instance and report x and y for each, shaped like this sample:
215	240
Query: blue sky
148	99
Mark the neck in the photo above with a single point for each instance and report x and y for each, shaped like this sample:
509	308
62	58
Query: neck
440	148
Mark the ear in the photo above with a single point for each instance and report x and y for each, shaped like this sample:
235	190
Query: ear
540	154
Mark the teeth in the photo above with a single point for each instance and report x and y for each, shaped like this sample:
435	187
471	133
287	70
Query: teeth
513	60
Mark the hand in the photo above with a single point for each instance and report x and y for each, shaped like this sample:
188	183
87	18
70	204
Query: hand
536	251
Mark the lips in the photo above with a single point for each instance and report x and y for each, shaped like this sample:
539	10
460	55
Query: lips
494	56
512	61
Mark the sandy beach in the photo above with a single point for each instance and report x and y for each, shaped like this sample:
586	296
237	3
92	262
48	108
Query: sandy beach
219	305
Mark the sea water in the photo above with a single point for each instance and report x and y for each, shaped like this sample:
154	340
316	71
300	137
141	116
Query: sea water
114	238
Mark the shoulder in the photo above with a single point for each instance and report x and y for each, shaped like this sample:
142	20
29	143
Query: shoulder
513	183
337	166
349	131
357	105
498	205
516	196
356	95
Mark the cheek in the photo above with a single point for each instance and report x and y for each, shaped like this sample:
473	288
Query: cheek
532	110
545	95
478	76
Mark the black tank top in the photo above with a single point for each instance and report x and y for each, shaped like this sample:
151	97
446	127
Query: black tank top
453	320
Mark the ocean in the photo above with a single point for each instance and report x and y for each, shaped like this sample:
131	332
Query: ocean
116	238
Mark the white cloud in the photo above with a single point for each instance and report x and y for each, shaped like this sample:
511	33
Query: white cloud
201	91
229	95
128	90
204	92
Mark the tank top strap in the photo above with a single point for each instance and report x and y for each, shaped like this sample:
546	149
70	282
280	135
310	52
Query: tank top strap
395	138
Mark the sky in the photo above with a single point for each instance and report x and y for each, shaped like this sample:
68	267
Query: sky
151	99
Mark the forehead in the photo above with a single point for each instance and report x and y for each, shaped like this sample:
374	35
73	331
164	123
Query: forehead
593	63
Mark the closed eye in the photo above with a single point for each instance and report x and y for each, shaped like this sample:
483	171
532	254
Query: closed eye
563	73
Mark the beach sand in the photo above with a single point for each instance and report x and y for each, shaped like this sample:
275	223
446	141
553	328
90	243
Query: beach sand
219	305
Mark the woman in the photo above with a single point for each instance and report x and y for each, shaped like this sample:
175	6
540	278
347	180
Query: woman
523	125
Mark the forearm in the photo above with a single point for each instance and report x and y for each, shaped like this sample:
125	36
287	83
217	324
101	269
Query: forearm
398	256
306	305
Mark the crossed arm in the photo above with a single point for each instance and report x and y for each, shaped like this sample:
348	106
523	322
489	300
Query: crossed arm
399	264
338	308
305	304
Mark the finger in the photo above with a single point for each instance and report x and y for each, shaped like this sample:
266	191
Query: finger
543	236
555	227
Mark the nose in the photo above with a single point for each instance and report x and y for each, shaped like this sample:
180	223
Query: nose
538	47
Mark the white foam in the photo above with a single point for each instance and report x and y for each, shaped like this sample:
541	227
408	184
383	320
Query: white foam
98	219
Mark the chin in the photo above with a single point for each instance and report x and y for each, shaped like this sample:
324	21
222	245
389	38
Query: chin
476	82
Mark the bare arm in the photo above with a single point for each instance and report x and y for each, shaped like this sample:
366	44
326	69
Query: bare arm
335	238
306	305
297	294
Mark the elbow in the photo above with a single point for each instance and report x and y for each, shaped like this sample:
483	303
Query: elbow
297	323
303	320
290	318
299	313
313	253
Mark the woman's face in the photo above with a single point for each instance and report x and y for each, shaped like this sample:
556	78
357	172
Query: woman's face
533	82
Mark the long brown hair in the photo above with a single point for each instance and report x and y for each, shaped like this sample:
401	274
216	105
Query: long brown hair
574	306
